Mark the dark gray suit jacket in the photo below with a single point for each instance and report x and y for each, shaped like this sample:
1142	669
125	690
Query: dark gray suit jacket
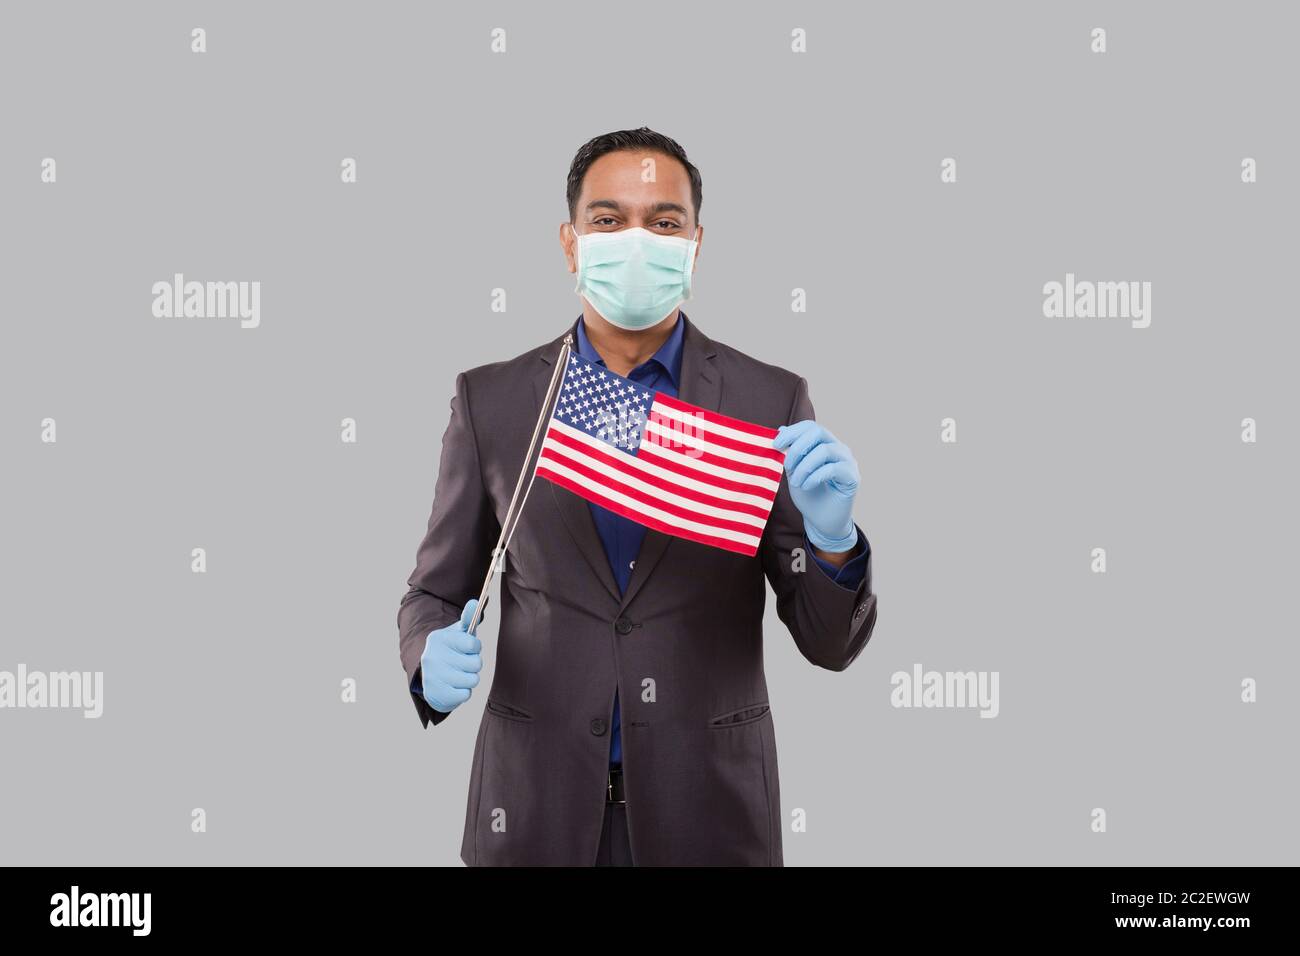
684	645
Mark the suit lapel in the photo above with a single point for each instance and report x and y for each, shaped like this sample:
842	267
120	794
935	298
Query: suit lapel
701	384
574	510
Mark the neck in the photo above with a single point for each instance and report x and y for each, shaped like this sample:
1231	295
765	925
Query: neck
623	350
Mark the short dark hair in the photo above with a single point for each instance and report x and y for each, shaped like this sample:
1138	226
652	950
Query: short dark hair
630	139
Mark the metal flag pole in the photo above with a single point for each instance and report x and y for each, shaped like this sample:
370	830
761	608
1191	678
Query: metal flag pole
512	513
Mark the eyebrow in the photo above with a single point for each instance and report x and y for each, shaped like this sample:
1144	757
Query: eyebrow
651	211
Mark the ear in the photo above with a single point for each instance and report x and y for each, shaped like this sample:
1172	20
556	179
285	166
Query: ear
569	243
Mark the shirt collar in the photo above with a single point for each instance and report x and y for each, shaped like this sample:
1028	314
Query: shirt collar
669	355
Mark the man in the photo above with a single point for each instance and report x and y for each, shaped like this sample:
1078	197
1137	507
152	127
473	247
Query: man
628	721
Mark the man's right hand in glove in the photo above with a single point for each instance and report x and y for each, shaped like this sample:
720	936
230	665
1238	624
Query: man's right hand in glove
450	663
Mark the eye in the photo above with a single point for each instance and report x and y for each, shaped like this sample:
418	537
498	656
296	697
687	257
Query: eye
667	224
605	221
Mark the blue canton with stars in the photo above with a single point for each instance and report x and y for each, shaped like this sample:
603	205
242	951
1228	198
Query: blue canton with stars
604	405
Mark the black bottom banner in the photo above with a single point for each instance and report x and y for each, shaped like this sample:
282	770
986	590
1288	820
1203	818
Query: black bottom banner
1166	906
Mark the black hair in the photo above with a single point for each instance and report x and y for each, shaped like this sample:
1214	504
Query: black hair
630	139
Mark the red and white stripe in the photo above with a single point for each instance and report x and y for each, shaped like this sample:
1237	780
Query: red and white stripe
696	474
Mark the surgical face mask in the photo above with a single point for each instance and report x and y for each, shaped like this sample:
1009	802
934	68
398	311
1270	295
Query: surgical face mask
633	277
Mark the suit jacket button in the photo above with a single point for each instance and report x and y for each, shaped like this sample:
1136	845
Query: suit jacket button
623	626
598	726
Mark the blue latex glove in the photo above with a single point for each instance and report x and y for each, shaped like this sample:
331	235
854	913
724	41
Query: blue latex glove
450	663
823	479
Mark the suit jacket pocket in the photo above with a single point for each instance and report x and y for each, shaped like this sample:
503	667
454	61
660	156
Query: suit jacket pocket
745	715
507	711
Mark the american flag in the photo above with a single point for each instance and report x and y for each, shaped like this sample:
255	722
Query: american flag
664	463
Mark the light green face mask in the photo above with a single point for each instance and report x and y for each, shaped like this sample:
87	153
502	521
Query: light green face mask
633	277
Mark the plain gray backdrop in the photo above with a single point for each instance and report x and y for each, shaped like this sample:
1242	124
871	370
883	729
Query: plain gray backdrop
821	172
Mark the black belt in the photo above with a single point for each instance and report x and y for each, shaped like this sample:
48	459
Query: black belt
614	790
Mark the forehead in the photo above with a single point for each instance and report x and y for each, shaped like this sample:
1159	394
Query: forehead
623	175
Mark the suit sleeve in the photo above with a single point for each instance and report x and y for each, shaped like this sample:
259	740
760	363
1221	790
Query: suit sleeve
830	622
455	552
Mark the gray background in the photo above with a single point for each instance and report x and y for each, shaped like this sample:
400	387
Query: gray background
820	171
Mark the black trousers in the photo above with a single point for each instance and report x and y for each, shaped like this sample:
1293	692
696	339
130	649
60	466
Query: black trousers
615	849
